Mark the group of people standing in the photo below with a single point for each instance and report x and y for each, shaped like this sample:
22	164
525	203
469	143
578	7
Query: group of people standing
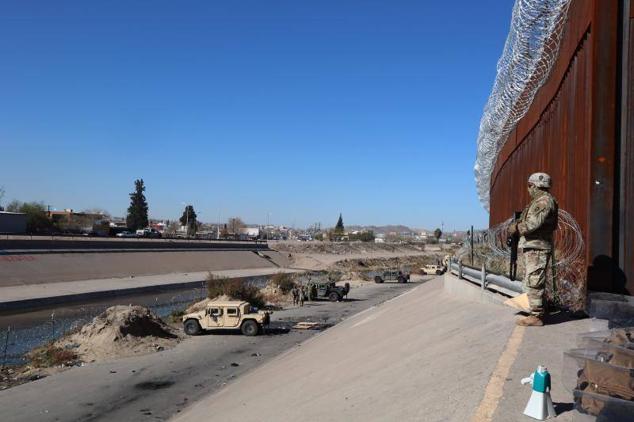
298	295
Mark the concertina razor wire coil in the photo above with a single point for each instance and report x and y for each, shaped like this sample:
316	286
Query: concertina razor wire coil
530	51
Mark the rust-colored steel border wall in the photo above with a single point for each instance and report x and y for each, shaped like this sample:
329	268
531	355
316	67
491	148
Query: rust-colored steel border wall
571	132
626	153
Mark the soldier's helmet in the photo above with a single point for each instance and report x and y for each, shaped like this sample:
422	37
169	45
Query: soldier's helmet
540	180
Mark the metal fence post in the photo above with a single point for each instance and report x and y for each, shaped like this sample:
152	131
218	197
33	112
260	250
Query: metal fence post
460	269
483	276
471	243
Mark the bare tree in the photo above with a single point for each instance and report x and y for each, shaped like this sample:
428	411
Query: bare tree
234	225
14	206
172	228
98	211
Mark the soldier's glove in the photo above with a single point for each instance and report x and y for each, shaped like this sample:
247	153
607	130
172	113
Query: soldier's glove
512	229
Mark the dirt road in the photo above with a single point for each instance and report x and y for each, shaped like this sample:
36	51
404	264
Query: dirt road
157	386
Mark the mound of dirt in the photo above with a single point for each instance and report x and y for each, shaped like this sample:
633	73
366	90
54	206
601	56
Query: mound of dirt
118	332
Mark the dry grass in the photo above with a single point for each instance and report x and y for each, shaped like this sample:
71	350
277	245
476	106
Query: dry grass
235	289
50	355
283	281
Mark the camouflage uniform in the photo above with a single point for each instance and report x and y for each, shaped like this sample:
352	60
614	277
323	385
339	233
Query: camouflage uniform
536	227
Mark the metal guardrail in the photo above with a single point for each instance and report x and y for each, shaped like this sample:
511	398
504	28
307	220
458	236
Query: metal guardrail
484	279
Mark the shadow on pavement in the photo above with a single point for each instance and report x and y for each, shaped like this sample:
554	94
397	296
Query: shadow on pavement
563	407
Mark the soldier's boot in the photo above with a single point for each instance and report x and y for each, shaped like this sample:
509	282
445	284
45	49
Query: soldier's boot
530	321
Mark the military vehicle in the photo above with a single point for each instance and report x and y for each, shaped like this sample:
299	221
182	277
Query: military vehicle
433	269
325	290
400	276
229	315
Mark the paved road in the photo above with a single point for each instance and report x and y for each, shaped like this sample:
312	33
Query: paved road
423	356
429	355
157	386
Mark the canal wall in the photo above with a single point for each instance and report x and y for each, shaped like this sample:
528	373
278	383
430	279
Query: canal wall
29	269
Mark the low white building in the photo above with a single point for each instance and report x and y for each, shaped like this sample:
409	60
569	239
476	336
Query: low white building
250	232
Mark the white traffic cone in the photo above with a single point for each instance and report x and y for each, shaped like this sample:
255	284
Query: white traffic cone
540	405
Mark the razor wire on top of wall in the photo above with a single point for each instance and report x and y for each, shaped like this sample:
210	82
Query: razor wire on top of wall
530	51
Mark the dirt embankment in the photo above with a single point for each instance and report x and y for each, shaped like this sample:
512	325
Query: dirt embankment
323	256
362	268
61	267
343	248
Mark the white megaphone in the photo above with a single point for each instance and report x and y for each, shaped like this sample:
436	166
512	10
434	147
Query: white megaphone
540	405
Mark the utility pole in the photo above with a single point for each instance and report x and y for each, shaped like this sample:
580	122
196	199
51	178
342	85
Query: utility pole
218	226
471	241
268	216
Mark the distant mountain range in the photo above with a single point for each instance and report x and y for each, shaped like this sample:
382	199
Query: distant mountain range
386	229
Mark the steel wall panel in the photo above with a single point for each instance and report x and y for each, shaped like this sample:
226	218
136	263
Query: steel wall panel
570	132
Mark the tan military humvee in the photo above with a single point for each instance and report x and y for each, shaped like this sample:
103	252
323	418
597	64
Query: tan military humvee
228	315
433	269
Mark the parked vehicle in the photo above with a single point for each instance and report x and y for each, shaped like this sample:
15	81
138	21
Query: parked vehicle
229	315
152	233
400	276
433	269
325	290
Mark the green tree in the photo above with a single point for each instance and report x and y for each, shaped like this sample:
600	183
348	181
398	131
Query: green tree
339	229
37	220
188	219
367	236
137	211
437	234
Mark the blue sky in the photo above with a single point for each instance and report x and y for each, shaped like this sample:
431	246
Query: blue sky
298	109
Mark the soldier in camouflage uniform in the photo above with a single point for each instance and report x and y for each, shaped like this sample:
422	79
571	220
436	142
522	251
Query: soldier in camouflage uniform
536	226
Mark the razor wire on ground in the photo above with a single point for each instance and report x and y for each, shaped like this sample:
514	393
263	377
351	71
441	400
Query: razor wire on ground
566	284
530	52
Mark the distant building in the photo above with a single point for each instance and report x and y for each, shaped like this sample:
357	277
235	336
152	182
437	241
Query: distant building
159	226
249	233
70	221
12	222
